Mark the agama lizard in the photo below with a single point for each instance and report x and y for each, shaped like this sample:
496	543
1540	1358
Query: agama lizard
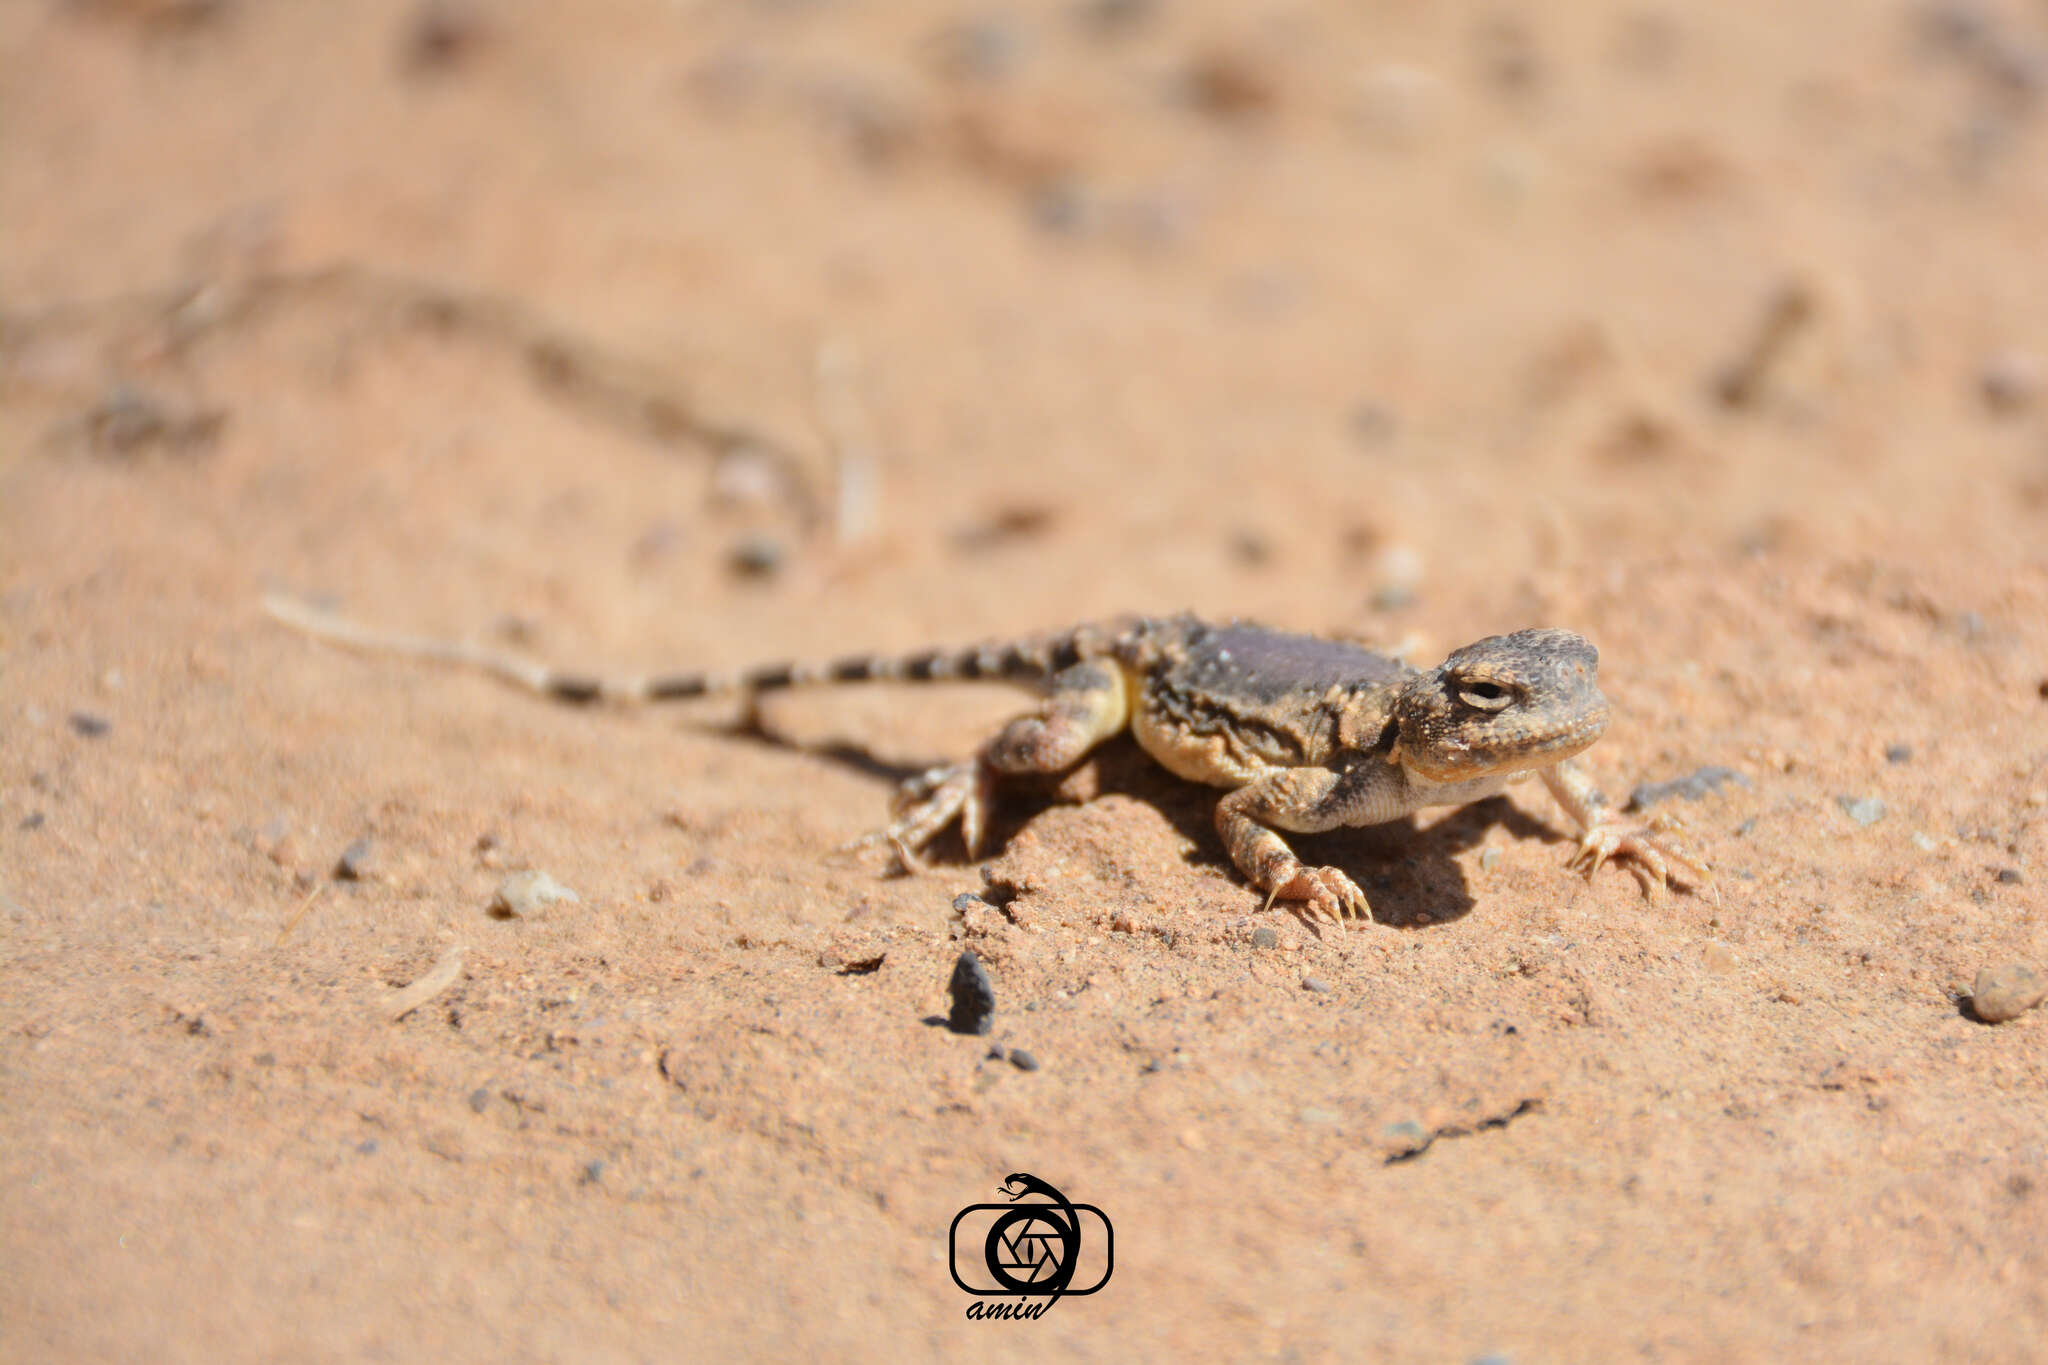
1306	734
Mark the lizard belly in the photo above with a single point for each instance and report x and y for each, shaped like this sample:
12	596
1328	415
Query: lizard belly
1211	758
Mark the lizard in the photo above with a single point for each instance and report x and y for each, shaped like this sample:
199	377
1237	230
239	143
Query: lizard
1304	733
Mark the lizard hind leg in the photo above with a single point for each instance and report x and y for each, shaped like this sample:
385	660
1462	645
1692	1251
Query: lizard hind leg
1088	703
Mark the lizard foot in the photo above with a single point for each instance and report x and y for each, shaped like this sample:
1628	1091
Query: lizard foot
927	804
1651	850
1325	893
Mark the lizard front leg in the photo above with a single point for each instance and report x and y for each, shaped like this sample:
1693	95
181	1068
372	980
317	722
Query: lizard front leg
1653	852
1303	800
1088	703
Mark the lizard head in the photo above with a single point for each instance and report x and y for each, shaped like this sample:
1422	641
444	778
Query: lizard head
1506	704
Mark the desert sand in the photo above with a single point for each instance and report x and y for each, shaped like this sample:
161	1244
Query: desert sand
646	335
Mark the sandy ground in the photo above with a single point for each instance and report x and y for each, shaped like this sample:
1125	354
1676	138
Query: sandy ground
708	333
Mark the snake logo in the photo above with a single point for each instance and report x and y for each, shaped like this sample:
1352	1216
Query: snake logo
1039	1243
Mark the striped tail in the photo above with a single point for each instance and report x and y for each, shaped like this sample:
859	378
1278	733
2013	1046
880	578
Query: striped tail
1024	660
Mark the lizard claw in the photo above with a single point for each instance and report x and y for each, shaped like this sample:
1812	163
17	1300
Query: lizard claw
923	807
1325	893
1650	850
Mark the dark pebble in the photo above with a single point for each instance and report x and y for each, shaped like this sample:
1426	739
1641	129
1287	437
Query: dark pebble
966	901
367	1147
1265	938
974	996
34	820
479	1100
89	725
1023	1060
996	1053
1898	753
2010	876
593	1171
1691	787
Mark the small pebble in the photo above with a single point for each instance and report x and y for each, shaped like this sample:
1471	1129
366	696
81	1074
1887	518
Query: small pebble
593	1171
1265	938
1898	753
974	996
33	820
1924	842
1489	858
2010	876
1864	810
1316	984
2007	992
1023	1060
358	861
996	1053
2011	383
479	1100
523	893
88	725
966	901
1691	787
757	556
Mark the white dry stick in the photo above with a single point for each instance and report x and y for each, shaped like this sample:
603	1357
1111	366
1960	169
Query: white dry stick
443	975
850	433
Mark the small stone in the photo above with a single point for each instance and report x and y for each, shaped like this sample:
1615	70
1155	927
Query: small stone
1489	858
33	820
996	1053
1265	938
1023	1060
1691	787
89	726
592	1172
966	901
758	555
1898	753
2010	876
1924	842
1315	984
1864	810
2006	992
985	47
1719	958
358	862
974	996
2012	382
479	1100
524	893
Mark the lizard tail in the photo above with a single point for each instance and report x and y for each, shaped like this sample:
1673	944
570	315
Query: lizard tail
1025	660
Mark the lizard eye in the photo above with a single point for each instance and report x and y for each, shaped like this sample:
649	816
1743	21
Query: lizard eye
1485	696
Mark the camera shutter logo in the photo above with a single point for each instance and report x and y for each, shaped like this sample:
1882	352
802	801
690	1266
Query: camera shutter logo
1040	1243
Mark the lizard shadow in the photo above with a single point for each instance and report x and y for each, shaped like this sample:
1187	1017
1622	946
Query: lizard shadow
1411	876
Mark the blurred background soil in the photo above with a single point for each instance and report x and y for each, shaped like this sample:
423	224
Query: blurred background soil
701	333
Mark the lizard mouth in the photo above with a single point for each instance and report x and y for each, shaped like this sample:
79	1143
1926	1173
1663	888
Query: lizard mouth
1512	750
